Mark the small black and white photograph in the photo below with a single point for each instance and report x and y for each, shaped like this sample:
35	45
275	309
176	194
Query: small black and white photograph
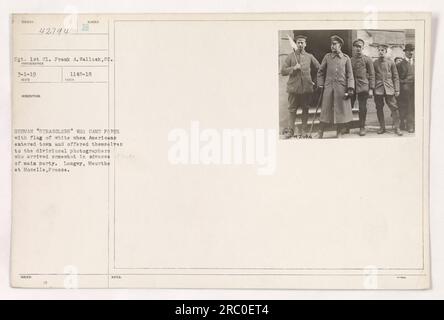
346	83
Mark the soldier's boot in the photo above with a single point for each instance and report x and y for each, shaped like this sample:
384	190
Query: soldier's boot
341	129
304	118
396	122
380	114
402	124
410	127
381	127
362	131
303	131
362	119
291	125
321	130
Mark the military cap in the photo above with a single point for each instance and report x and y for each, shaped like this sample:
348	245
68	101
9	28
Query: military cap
337	38
358	42
382	45
409	47
300	37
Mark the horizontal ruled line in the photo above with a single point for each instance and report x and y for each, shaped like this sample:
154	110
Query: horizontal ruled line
63	82
65	34
265	268
63	49
64	66
225	274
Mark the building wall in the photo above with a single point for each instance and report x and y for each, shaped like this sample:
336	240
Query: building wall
319	41
395	39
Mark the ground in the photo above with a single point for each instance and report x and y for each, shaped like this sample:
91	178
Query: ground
354	133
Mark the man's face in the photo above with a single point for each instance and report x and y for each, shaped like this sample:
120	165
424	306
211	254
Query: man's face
409	54
382	52
358	49
335	46
301	44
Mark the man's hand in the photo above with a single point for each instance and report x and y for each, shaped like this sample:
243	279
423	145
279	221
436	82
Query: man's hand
348	93
297	66
370	93
397	94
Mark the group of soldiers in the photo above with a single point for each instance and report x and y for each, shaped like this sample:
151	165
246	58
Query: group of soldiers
342	80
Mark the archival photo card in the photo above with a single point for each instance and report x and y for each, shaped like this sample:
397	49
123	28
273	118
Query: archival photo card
268	150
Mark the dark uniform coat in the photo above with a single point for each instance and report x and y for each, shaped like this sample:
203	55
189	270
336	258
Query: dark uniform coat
336	75
300	80
406	71
406	100
387	78
363	72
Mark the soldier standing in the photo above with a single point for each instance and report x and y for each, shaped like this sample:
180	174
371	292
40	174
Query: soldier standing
299	66
386	88
335	75
406	101
364	74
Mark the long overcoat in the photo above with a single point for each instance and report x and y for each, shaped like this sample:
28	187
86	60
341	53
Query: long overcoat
336	75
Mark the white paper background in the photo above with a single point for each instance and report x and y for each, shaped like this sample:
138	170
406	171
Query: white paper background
437	163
